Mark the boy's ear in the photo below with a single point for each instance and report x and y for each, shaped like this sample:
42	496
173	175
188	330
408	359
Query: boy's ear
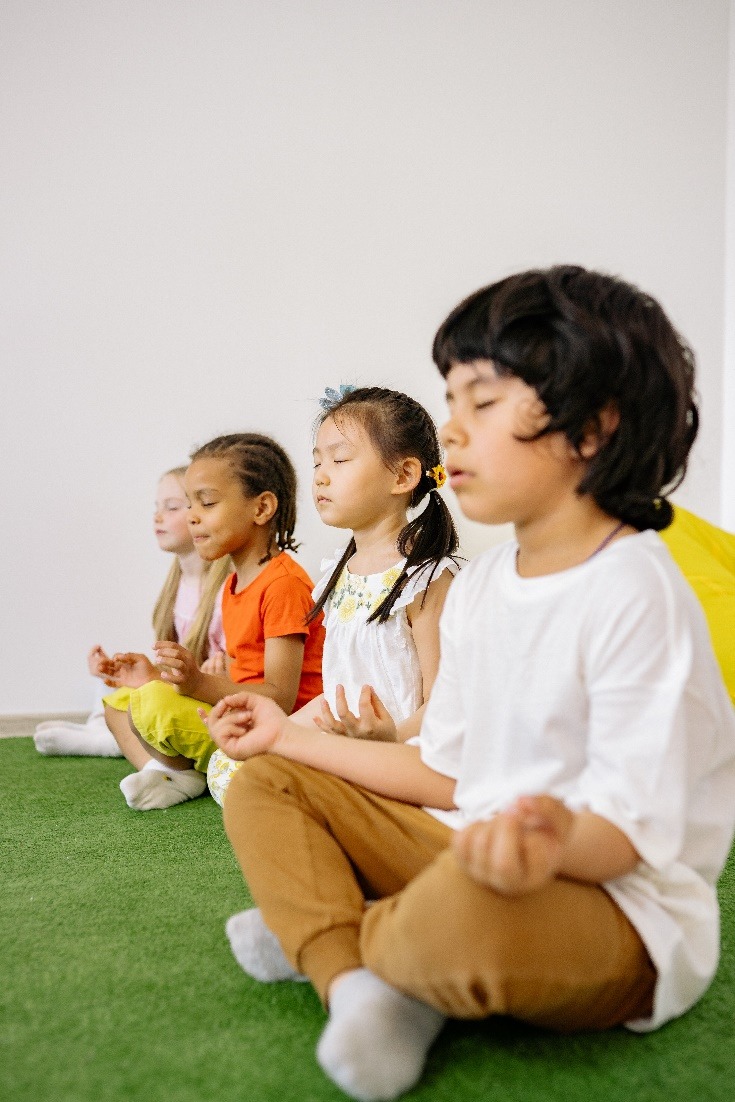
266	508
599	430
408	475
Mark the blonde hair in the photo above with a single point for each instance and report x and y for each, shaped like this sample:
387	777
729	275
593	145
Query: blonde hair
213	575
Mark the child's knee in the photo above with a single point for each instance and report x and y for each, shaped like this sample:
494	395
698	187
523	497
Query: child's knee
255	779
442	925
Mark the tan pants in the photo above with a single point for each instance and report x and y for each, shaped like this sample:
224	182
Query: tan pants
312	848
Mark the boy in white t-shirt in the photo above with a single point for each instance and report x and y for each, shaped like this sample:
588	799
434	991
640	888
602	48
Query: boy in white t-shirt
578	746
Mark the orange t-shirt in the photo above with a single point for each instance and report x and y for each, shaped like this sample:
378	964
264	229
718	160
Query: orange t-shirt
275	603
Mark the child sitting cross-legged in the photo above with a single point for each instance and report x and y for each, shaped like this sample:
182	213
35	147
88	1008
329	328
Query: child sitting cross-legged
188	610
241	492
377	456
549	848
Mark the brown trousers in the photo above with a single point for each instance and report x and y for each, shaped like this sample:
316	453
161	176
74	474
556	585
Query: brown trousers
313	847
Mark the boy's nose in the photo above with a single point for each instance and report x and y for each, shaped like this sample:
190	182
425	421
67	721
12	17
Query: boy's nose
450	433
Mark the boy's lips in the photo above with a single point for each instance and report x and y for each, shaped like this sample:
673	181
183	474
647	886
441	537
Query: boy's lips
458	476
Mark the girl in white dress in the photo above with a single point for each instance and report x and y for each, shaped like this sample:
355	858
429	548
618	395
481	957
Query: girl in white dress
376	457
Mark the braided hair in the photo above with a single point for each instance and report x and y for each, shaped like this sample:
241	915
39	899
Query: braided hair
399	428
262	466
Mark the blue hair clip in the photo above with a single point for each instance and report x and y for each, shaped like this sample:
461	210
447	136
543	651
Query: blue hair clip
332	397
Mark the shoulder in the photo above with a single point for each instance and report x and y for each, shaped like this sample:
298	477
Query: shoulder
639	607
640	570
482	570
327	567
284	572
436	577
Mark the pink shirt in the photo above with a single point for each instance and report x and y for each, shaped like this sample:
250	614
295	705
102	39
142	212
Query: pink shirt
185	609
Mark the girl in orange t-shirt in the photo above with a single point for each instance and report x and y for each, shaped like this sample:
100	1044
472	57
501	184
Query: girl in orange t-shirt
242	503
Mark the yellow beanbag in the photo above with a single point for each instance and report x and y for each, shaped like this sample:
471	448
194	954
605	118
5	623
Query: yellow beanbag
706	557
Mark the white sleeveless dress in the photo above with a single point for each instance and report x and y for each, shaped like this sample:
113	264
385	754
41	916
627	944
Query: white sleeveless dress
358	653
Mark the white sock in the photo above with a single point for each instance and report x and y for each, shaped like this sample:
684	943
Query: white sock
156	786
91	739
257	950
376	1041
59	724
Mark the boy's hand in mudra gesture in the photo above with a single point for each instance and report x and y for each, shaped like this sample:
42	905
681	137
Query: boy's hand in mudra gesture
246	724
518	850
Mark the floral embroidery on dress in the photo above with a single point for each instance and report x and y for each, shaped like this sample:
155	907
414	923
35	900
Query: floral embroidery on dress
220	772
357	593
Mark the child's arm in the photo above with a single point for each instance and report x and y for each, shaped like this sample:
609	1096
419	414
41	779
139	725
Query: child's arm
306	716
283	660
423	616
245	725
539	838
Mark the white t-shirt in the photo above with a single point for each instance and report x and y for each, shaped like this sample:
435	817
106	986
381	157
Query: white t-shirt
598	685
357	653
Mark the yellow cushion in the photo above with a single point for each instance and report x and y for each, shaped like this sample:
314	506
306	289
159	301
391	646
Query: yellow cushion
705	555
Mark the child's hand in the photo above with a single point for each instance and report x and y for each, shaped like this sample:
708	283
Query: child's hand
518	850
131	670
99	664
216	664
245	724
374	722
177	666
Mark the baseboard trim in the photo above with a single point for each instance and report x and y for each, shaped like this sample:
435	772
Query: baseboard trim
24	726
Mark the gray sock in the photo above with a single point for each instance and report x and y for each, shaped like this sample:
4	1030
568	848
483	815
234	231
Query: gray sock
257	950
376	1041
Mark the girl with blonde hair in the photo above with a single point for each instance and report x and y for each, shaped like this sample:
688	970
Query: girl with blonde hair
188	610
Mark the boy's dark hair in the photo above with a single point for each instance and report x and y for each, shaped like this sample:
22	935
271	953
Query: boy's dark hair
398	428
585	341
262	466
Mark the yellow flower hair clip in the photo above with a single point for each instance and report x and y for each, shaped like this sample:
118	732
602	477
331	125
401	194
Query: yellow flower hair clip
439	474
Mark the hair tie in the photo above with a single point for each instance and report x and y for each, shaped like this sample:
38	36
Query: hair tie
333	397
438	474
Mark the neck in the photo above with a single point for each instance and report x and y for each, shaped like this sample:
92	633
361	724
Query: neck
565	538
191	565
376	545
248	560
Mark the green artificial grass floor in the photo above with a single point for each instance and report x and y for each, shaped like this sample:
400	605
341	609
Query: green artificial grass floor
118	983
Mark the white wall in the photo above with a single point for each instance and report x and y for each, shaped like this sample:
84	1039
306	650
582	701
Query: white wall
727	486
211	211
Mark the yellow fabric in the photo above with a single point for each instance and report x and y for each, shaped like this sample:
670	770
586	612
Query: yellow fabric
170	723
705	555
119	700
